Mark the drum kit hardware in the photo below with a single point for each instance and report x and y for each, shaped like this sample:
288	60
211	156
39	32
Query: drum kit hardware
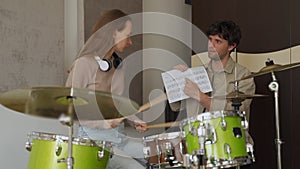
214	139
274	87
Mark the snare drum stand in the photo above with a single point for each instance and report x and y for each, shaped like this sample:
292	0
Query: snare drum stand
69	122
274	86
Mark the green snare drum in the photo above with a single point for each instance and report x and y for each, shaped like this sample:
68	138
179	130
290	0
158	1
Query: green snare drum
225	143
46	149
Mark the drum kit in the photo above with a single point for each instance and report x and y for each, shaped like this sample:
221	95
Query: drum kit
213	139
209	140
53	151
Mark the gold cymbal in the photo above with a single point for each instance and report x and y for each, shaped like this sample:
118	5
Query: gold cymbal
238	96
271	68
52	102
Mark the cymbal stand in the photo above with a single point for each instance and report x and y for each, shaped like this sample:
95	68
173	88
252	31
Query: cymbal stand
236	103
274	87
69	120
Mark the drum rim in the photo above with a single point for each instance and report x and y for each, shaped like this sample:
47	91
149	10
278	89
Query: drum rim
76	140
240	160
164	136
209	115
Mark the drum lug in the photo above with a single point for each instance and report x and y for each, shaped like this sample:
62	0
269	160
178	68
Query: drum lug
182	149
100	153
195	161
149	166
68	161
244	124
186	160
169	155
207	132
227	149
211	136
58	147
58	150
62	160
168	148
158	151
244	121
146	151
111	153
199	158
223	123
28	145
250	151
194	131
202	130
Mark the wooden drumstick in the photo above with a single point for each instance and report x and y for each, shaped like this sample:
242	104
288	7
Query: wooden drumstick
153	102
169	124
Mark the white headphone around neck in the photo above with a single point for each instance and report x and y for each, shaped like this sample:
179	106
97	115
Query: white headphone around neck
105	64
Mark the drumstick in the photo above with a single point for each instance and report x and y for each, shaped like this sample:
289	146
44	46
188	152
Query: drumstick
153	102
169	124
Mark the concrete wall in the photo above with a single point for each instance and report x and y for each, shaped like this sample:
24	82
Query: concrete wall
39	40
31	54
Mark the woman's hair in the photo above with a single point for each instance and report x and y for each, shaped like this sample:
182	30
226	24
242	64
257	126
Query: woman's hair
111	15
227	30
101	41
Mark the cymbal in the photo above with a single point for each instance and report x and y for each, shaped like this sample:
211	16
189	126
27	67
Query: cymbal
52	102
238	96
271	68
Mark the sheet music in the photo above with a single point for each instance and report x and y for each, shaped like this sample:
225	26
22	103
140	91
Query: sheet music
174	82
